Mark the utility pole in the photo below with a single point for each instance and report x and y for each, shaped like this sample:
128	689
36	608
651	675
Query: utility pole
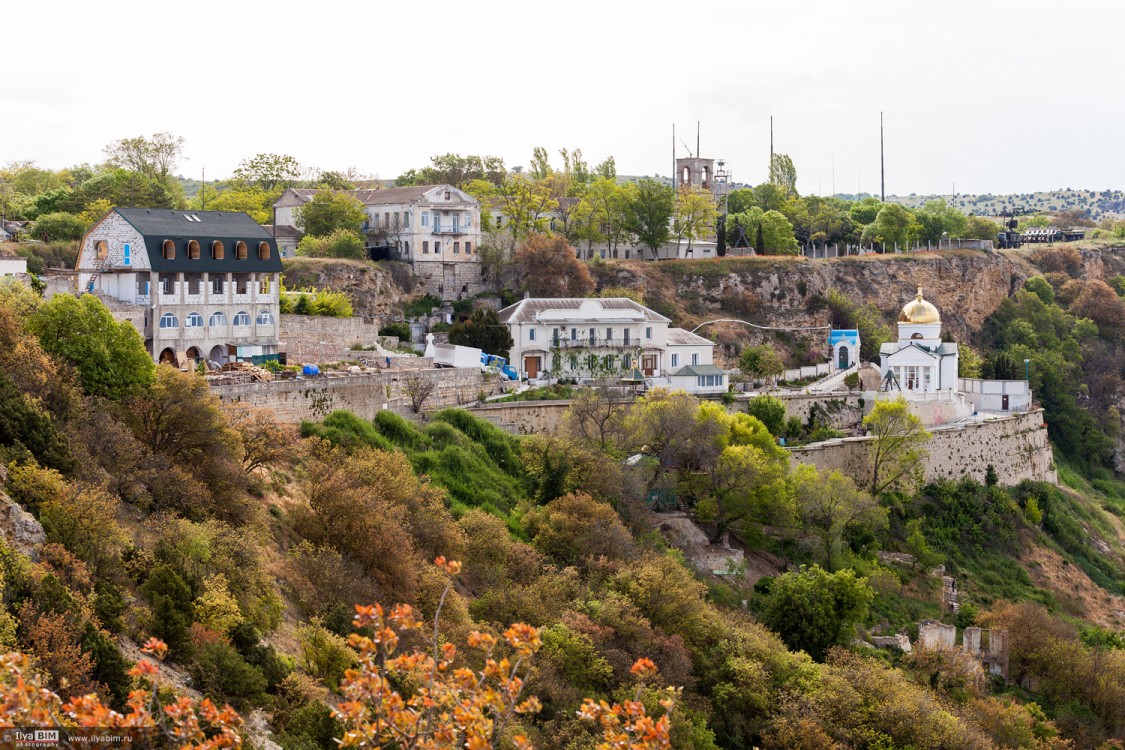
673	156
697	152
771	143
203	187
882	172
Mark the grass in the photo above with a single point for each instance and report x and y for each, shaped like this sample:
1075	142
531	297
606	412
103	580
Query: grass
542	393
477	463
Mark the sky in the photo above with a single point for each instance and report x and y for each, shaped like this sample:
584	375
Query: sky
989	96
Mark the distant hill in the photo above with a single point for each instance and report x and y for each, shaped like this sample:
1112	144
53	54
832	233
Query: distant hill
1097	204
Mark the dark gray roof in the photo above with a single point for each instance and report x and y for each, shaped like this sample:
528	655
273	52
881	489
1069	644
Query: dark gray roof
205	227
374	197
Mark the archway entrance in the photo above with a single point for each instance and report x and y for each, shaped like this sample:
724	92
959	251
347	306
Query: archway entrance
218	354
845	360
168	357
194	354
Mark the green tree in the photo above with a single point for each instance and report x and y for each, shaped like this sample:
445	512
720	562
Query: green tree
770	410
694	215
329	211
341	243
1041	288
155	157
25	425
58	226
251	199
269	171
814	610
979	228
524	205
602	213
456	170
783	174
865	211
483	330
898	448
894	224
648	213
762	362
774	230
937	219
172	609
830	507
110	356
969	362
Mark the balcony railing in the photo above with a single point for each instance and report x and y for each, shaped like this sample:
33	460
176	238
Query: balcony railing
598	342
452	230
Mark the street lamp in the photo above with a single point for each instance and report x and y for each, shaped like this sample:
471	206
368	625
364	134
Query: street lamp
1027	370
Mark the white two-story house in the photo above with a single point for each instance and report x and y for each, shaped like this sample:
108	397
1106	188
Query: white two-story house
603	338
206	281
435	228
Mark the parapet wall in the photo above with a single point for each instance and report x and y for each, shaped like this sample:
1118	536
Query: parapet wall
365	394
316	338
1017	448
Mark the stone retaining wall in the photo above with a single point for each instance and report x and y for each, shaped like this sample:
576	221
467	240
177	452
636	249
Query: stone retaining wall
364	394
1016	446
316	338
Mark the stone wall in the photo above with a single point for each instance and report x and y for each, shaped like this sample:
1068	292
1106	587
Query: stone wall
365	394
1016	446
315	338
524	417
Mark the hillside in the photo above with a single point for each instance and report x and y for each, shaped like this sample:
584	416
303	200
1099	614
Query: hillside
138	506
1095	204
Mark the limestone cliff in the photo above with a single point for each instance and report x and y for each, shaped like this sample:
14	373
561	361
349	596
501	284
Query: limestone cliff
377	290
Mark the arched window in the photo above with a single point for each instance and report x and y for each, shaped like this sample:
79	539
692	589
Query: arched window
916	336
193	320
101	249
192	250
265	318
217	250
242	318
168	250
168	320
263	251
240	250
218	320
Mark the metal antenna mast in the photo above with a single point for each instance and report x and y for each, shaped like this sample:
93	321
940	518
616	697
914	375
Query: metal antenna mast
882	172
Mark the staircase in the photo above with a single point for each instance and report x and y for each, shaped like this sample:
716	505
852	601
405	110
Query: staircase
101	266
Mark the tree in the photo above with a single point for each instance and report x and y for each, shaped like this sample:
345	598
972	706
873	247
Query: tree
548	267
156	156
783	174
772	231
483	330
601	213
830	507
649	212
813	609
418	389
329	211
762	362
269	171
898	448
341	243
524	205
576	529
936	219
171	602
865	211
252	199
694	214
58	226
969	362
595	416
110	356
263	440
457	170
893	225
770	411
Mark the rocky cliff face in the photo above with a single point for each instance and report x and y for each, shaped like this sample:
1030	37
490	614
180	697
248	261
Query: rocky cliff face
376	290
965	286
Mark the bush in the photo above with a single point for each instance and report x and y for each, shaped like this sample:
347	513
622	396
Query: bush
57	226
342	243
400	330
324	654
770	410
220	672
172	609
814	610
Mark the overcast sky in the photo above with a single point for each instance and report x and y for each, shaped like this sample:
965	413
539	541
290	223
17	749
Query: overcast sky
993	96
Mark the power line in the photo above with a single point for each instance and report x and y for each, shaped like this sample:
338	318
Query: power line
764	328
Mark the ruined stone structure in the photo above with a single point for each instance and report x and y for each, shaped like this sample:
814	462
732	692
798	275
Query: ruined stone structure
989	647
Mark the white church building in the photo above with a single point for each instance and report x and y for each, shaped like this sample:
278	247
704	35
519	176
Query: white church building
919	362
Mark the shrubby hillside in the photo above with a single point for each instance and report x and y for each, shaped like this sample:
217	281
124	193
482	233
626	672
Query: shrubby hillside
245	546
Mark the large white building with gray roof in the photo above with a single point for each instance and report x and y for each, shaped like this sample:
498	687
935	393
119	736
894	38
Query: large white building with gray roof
202	284
603	338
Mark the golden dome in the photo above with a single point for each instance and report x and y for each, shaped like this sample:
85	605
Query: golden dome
919	311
